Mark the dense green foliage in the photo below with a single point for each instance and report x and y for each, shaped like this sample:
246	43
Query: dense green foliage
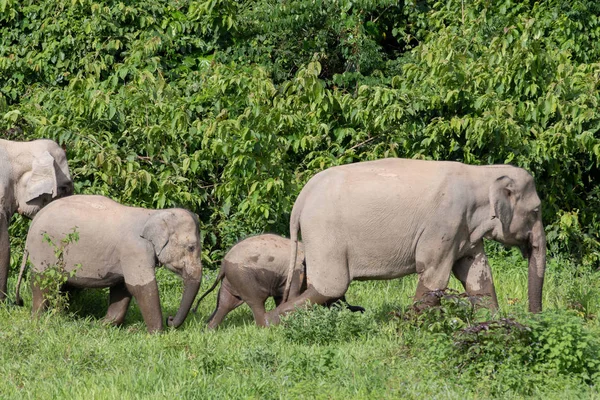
229	107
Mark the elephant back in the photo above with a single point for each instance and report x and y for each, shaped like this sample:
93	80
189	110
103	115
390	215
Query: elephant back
268	251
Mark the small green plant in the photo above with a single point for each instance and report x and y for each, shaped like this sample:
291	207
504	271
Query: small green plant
55	276
563	344
322	325
487	349
455	311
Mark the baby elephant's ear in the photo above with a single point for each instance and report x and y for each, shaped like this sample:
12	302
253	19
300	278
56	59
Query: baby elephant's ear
156	230
43	178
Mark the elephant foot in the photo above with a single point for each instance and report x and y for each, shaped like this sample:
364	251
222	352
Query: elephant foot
272	318
425	298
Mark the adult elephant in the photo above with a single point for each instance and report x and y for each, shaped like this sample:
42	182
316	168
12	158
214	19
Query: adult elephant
393	217
118	247
31	175
254	270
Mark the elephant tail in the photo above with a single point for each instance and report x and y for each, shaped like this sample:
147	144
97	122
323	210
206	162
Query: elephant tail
294	228
18	300
219	279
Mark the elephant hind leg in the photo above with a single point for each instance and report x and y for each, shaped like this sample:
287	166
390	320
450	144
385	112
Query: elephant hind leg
39	302
258	310
226	302
119	299
327	277
309	296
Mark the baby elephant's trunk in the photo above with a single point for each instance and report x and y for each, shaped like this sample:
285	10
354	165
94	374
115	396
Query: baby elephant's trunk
190	291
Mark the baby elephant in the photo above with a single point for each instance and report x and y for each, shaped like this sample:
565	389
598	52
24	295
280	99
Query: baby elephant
118	247
254	270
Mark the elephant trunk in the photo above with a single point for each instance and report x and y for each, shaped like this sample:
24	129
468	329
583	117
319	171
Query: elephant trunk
537	266
191	287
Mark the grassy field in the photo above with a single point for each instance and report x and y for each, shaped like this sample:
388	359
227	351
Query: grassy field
318	353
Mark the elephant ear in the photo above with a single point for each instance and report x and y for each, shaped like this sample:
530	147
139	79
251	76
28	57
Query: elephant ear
43	178
156	231
502	200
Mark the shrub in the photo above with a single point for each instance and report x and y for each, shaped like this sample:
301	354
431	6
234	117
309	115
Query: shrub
321	325
54	276
563	344
504	349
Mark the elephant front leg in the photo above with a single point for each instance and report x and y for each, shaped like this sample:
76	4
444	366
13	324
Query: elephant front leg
119	300
475	274
4	256
434	274
147	299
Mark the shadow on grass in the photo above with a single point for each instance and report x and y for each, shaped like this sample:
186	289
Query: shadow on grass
84	303
386	312
93	303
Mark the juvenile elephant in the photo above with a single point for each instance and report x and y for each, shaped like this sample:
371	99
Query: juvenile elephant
393	217
254	270
31	175
118	247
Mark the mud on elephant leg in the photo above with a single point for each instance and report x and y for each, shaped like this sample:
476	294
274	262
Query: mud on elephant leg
309	296
147	299
475	274
226	302
434	274
119	300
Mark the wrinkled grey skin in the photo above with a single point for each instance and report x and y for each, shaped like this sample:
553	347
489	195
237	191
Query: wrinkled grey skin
32	174
254	270
119	247
393	217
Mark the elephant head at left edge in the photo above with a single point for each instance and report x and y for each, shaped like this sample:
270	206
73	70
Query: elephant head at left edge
32	174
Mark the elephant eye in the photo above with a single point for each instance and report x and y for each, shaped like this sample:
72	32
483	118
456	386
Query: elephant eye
191	248
535	210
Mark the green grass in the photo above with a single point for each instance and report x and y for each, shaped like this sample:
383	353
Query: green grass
373	355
